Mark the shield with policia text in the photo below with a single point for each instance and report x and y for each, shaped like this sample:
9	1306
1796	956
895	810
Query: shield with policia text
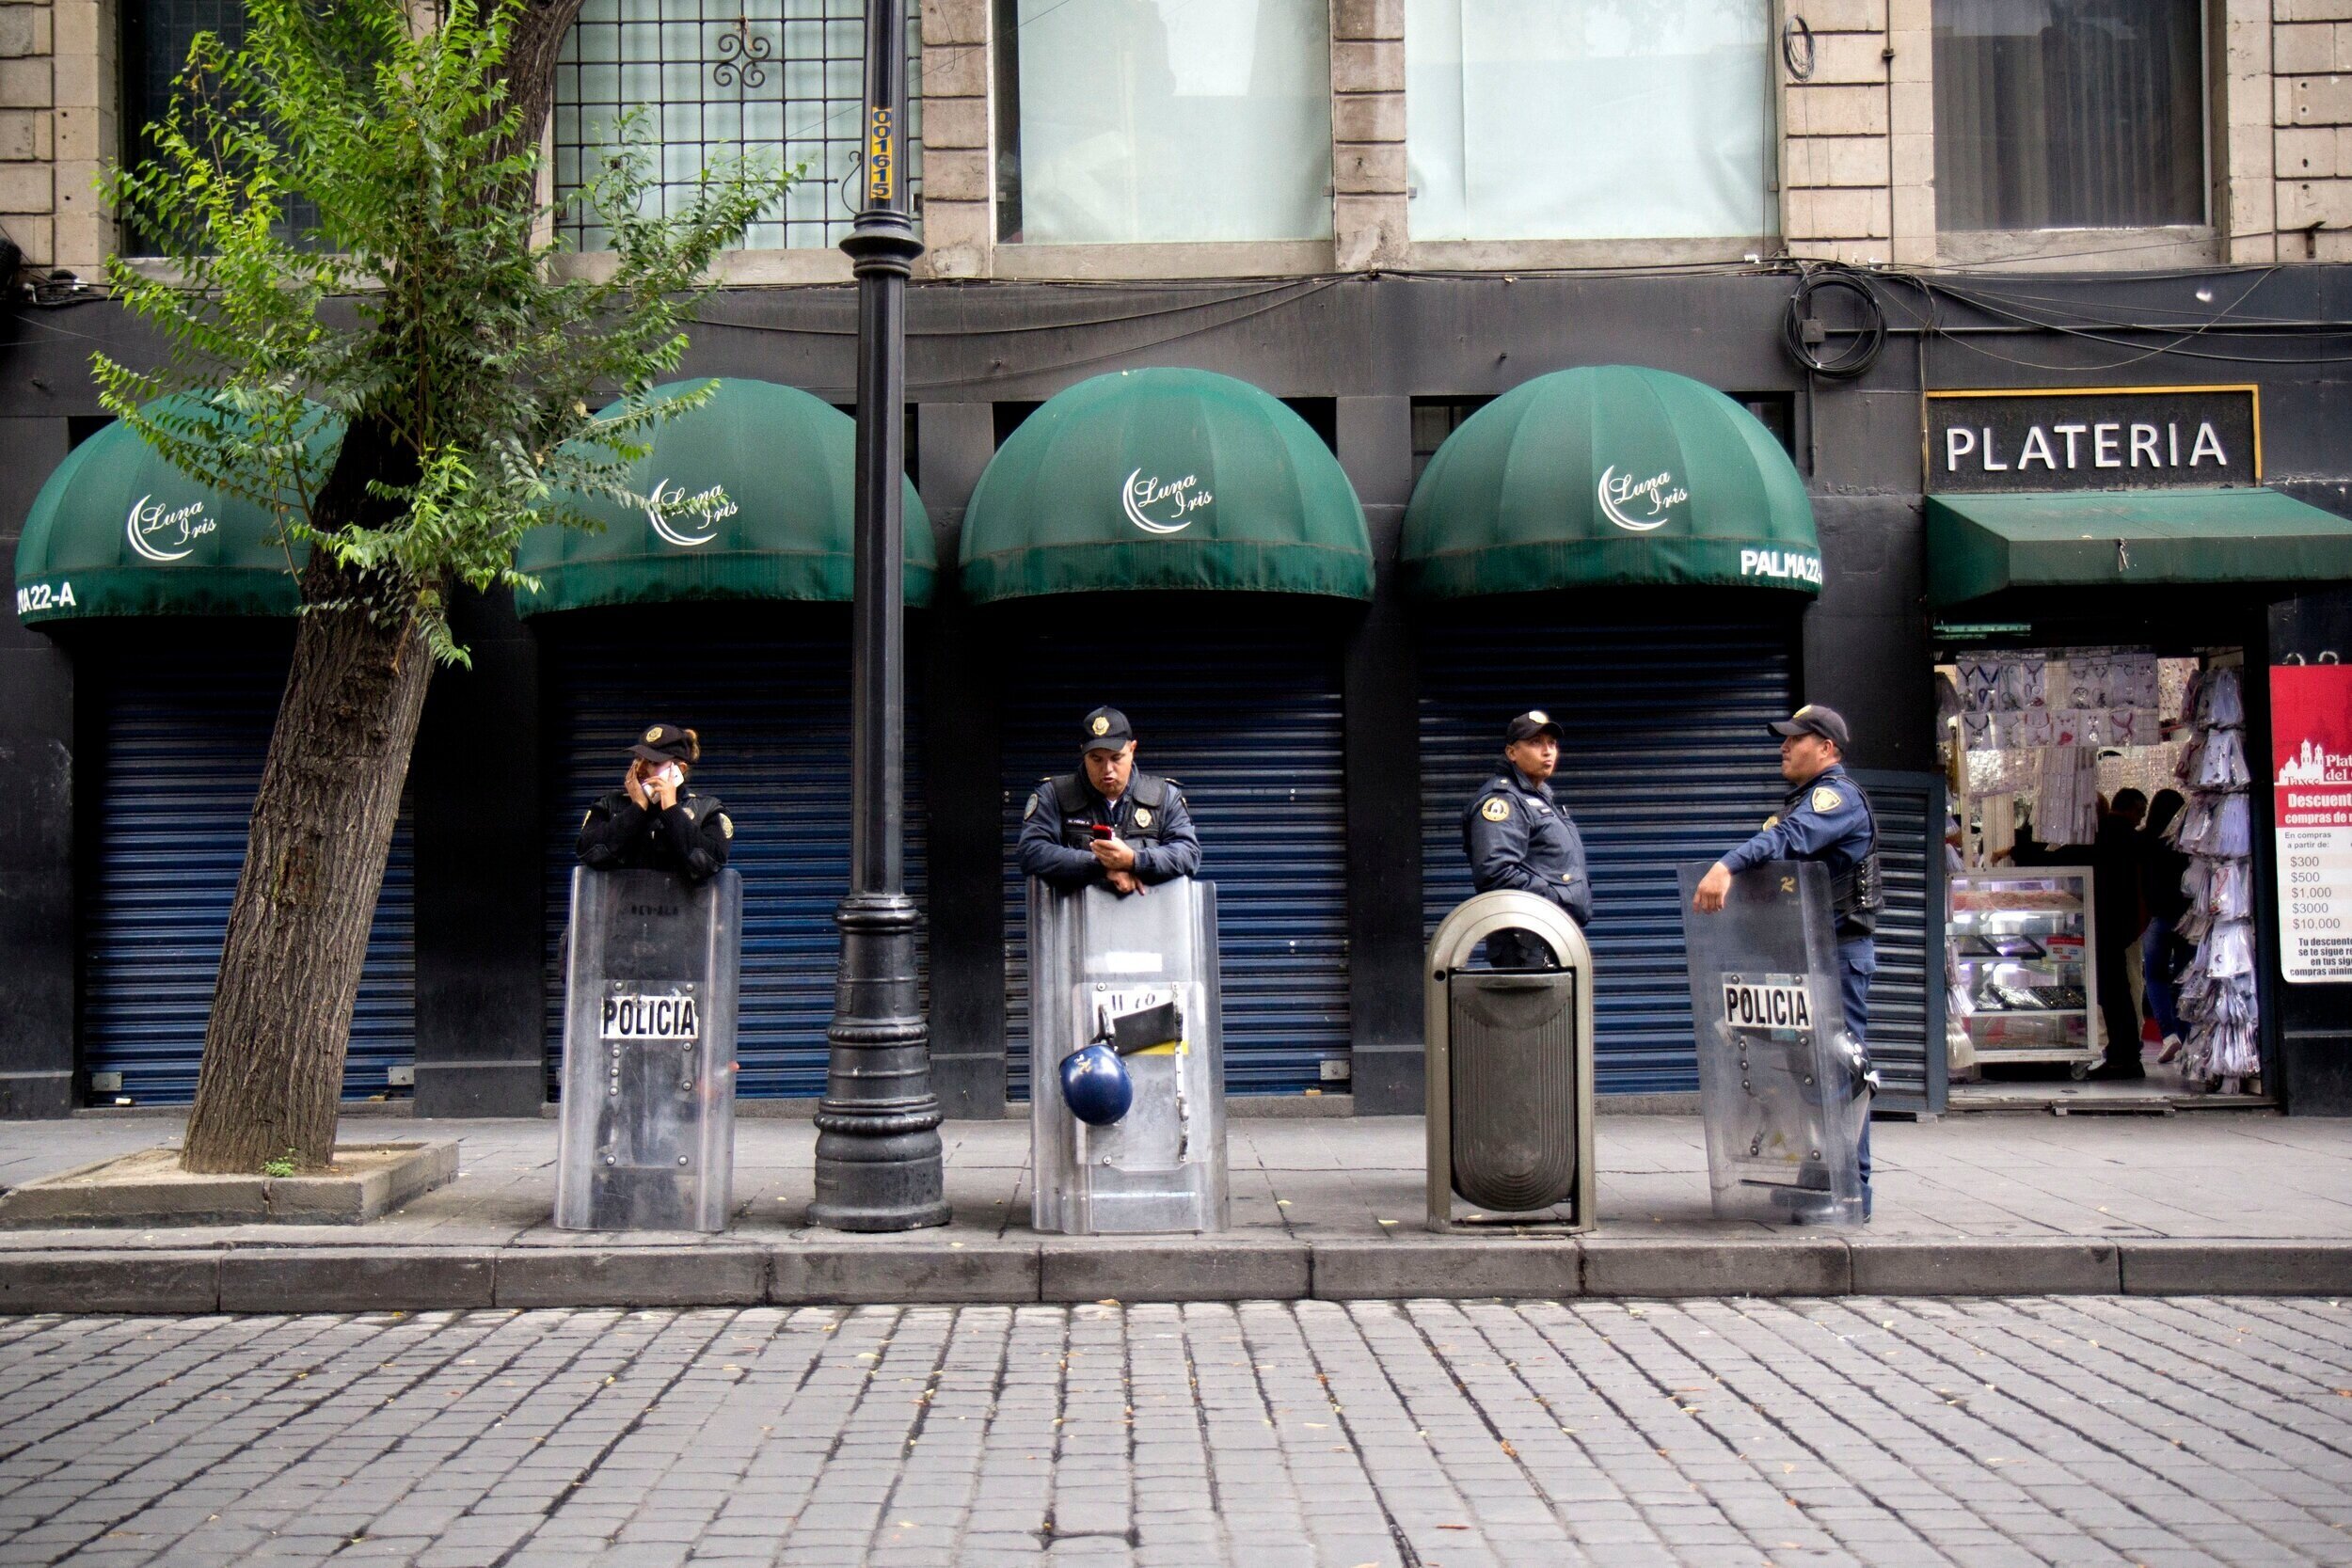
1780	1085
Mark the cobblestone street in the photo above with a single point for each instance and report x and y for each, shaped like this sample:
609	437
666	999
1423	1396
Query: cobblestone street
2072	1431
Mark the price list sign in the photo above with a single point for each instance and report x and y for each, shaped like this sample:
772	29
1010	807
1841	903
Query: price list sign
2311	728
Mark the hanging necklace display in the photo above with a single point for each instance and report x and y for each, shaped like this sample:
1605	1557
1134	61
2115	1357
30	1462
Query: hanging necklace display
2216	985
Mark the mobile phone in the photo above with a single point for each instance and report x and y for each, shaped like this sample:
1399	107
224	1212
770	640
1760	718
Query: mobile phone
1102	830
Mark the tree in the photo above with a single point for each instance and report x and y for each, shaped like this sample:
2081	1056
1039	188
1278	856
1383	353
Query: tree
416	309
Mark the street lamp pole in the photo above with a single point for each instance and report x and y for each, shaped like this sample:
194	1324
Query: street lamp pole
878	1152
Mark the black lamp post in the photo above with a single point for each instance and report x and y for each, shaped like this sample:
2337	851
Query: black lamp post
878	1153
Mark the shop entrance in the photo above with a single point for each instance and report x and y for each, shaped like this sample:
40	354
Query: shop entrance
2104	941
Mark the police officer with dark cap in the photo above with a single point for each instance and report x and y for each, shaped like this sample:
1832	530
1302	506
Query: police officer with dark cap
653	821
1825	819
1107	825
1518	836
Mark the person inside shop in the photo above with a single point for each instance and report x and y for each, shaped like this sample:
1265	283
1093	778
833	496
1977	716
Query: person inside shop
1827	819
1520	836
2115	862
1107	825
653	821
2161	950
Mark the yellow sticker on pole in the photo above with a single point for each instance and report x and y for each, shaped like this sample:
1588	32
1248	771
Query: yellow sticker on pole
882	155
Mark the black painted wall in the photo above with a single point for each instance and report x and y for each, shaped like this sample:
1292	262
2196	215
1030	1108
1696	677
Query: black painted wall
1369	344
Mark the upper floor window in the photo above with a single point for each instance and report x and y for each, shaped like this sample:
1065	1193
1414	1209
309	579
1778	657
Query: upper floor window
1530	120
2069	114
155	38
782	80
1123	121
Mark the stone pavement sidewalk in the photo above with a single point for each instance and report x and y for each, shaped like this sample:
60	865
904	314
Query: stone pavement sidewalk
1329	1209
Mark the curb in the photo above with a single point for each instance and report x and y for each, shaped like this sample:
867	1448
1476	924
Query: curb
277	1279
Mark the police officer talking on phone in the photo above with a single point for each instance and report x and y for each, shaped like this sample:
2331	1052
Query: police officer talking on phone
1517	836
1825	819
653	821
1107	825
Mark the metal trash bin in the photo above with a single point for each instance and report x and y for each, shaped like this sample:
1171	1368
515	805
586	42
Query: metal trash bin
1509	1073
648	1133
1094	959
1783	1090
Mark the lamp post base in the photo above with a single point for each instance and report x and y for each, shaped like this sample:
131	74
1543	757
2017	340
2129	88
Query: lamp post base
878	1160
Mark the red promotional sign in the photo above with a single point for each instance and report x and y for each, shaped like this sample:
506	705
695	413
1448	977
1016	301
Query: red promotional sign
2311	770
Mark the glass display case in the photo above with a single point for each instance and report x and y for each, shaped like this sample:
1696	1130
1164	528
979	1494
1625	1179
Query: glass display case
2027	988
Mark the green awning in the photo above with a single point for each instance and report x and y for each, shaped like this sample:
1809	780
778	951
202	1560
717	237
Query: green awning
1609	476
1165	479
118	531
753	502
1980	544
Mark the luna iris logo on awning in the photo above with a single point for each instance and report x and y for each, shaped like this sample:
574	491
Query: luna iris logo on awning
164	533
1639	505
1162	507
685	520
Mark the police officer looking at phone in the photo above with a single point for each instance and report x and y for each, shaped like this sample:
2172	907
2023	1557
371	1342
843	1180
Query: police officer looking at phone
1827	819
653	821
1518	836
1107	825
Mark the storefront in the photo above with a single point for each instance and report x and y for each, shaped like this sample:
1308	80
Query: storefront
1181	546
2094	644
176	604
722	608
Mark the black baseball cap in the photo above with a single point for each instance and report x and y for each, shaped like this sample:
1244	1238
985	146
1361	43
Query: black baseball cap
1533	722
666	743
1813	719
1106	730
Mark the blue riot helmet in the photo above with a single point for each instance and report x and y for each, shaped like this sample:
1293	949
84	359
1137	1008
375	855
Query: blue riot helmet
1095	1086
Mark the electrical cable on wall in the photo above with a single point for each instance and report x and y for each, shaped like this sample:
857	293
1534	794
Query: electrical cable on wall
1805	335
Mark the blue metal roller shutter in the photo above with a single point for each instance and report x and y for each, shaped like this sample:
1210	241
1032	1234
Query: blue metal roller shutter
183	751
773	715
1250	721
1907	994
1666	759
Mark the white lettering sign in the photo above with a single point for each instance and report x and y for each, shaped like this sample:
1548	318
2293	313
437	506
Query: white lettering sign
1766	1004
161	533
1651	499
2112	445
687	520
1158	506
1781	566
37	597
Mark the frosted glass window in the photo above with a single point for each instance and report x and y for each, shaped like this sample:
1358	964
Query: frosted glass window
1599	120
1164	120
779	79
2069	114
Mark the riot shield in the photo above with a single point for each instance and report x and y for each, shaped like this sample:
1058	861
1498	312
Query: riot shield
649	1116
1138	975
1780	1086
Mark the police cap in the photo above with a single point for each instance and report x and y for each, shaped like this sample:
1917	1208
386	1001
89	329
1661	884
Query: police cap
1534	722
1813	719
1106	730
667	743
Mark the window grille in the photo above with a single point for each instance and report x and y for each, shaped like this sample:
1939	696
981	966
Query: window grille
781	81
156	35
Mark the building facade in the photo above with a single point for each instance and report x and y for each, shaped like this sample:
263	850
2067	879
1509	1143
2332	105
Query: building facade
1381	217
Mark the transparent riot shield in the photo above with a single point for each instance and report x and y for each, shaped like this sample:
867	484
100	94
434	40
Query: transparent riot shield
649	1115
1128	974
1780	1085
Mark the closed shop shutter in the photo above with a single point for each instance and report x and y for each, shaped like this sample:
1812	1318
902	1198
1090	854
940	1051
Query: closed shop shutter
1250	722
1906	1034
1666	759
184	741
773	716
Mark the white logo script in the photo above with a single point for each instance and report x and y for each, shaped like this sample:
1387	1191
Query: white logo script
1178	498
153	529
2316	764
667	505
1614	491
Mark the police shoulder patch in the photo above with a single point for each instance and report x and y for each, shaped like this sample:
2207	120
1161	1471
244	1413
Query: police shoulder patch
587	817
1497	809
1827	800
726	826
1772	822
1030	809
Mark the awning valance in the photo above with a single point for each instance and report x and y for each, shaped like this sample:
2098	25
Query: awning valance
752	498
1609	476
119	530
1165	479
1980	544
